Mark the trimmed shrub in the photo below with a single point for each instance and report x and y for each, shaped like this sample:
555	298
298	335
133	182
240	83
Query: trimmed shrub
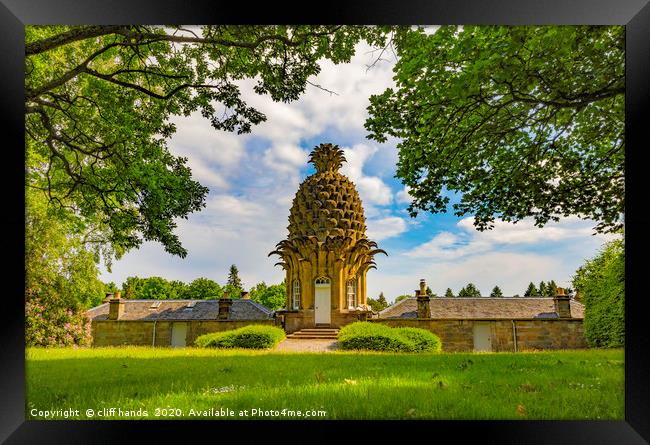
425	341
249	337
373	337
365	335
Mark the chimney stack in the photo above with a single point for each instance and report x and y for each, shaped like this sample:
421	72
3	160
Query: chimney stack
424	302
562	304
116	306
224	307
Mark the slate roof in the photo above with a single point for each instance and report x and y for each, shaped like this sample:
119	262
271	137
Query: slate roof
483	307
178	310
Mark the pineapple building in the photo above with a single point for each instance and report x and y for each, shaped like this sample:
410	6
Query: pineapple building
327	254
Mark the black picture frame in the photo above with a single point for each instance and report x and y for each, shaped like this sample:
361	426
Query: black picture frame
635	14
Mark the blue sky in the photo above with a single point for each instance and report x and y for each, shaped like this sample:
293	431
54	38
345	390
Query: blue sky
253	179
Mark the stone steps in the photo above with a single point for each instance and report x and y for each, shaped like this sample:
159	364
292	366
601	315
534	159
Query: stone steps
315	333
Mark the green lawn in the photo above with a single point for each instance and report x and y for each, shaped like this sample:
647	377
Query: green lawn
344	385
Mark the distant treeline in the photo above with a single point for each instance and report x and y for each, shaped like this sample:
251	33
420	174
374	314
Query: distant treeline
158	288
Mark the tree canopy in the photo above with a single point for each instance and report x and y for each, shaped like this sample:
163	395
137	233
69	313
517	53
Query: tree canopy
60	262
522	121
379	303
234	286
273	297
158	288
203	288
401	297
531	291
61	276
98	102
601	284
469	291
496	292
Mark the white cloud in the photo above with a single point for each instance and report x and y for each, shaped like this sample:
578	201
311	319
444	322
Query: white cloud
447	245
372	189
379	229
469	241
206	175
353	83
228	206
403	196
212	155
195	138
526	232
285	158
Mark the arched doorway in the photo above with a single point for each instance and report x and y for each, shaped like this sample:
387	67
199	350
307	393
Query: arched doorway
323	300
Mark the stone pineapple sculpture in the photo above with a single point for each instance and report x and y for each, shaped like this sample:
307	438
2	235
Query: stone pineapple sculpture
326	222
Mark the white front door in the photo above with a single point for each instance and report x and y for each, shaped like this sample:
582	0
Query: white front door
179	333
323	301
482	337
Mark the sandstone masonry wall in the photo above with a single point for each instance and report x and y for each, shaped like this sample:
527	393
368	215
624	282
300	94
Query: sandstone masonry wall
297	320
532	334
141	333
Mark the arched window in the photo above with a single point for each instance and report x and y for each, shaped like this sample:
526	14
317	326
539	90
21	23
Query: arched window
295	295
352	293
322	280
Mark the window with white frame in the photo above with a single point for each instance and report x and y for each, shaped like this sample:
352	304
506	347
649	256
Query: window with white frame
352	293
295	295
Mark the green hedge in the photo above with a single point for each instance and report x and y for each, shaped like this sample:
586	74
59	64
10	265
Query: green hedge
364	335
425	341
250	337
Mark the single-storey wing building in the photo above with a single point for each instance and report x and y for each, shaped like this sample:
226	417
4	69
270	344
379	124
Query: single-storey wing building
493	324
171	322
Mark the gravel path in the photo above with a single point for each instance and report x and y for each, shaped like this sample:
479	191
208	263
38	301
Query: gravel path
307	345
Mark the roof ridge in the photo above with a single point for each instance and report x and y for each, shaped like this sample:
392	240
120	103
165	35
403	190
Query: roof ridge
172	299
394	305
260	306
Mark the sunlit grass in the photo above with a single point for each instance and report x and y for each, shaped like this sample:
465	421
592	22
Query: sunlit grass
345	385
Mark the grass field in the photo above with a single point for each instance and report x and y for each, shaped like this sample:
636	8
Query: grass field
200	383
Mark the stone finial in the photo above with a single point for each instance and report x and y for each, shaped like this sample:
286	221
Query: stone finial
562	304
423	287
327	157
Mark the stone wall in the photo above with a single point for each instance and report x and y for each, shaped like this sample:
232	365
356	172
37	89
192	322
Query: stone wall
141	333
532	334
297	320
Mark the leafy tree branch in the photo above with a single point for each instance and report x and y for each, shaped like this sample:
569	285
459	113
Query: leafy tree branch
99	101
522	121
